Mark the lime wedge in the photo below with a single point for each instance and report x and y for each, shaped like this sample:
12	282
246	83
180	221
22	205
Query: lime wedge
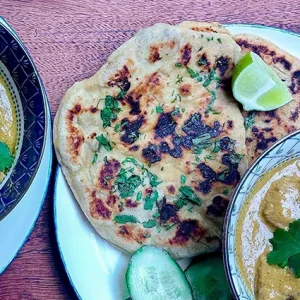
256	86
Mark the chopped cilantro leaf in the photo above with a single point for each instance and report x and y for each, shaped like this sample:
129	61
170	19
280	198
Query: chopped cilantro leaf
130	160
156	215
121	95
219	40
6	159
191	209
181	201
212	102
126	186
150	200
226	192
286	248
249	120
139	196
190	194
103	141
95	158
159	109
178	65
123	219
182	179
175	112
179	79
235	158
192	73
217	146
200	49
201	143
149	224
177	97
154	182
110	111
117	128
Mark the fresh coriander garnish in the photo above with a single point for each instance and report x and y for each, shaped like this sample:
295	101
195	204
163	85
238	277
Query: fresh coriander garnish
127	186
249	120
177	97
149	224
178	65
110	111
235	158
226	192
6	159
156	215
201	143
190	194
130	160
182	179
217	146
179	79
211	77
150	200
95	158
219	40
103	141
212	102
192	73
175	112
286	248
139	196
159	109
117	128
123	219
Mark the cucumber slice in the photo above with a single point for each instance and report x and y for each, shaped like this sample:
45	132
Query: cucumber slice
208	280
153	274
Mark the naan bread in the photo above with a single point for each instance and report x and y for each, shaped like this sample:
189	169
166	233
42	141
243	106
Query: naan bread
152	145
265	128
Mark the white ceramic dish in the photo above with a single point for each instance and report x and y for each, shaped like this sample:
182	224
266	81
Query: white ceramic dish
17	226
95	268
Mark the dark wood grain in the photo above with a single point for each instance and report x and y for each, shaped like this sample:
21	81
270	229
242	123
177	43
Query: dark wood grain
69	40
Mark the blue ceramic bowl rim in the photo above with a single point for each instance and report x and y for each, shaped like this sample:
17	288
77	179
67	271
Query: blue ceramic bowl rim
227	215
44	99
233	202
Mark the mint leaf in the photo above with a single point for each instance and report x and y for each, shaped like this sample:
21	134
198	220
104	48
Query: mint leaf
286	248
149	224
6	159
103	141
123	219
150	200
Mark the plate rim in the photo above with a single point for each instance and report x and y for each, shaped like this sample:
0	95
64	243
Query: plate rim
58	168
46	108
49	171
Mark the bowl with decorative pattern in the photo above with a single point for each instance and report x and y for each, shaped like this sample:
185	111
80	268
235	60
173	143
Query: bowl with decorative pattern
23	103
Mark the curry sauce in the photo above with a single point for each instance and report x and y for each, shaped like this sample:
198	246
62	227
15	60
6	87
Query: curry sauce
8	119
273	203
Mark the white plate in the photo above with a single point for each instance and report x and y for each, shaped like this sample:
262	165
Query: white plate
95	268
18	224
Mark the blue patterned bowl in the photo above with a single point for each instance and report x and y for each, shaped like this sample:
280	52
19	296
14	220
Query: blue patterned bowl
286	149
29	96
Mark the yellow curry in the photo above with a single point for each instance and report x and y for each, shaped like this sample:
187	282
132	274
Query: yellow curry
8	120
273	203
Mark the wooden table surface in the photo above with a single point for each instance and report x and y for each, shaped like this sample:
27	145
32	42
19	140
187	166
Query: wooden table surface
69	40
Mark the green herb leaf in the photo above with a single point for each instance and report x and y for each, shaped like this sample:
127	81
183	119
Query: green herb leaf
154	182
95	158
126	186
175	112
226	192
179	79
190	194
182	179
6	159
286	248
149	224
123	219
103	141
181	201
201	142
192	73
212	102
159	109
130	160
211	77
249	120
117	128
217	146
110	111
121	95
156	215
178	65
139	196
219	40
150	200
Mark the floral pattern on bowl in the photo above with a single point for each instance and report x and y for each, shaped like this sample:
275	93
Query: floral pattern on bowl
26	87
287	148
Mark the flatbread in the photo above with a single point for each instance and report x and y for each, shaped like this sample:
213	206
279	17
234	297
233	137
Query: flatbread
265	128
150	135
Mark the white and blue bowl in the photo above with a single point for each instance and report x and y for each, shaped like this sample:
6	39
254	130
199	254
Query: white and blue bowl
286	149
29	96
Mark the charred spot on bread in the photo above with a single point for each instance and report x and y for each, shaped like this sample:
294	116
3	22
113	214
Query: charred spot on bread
218	207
